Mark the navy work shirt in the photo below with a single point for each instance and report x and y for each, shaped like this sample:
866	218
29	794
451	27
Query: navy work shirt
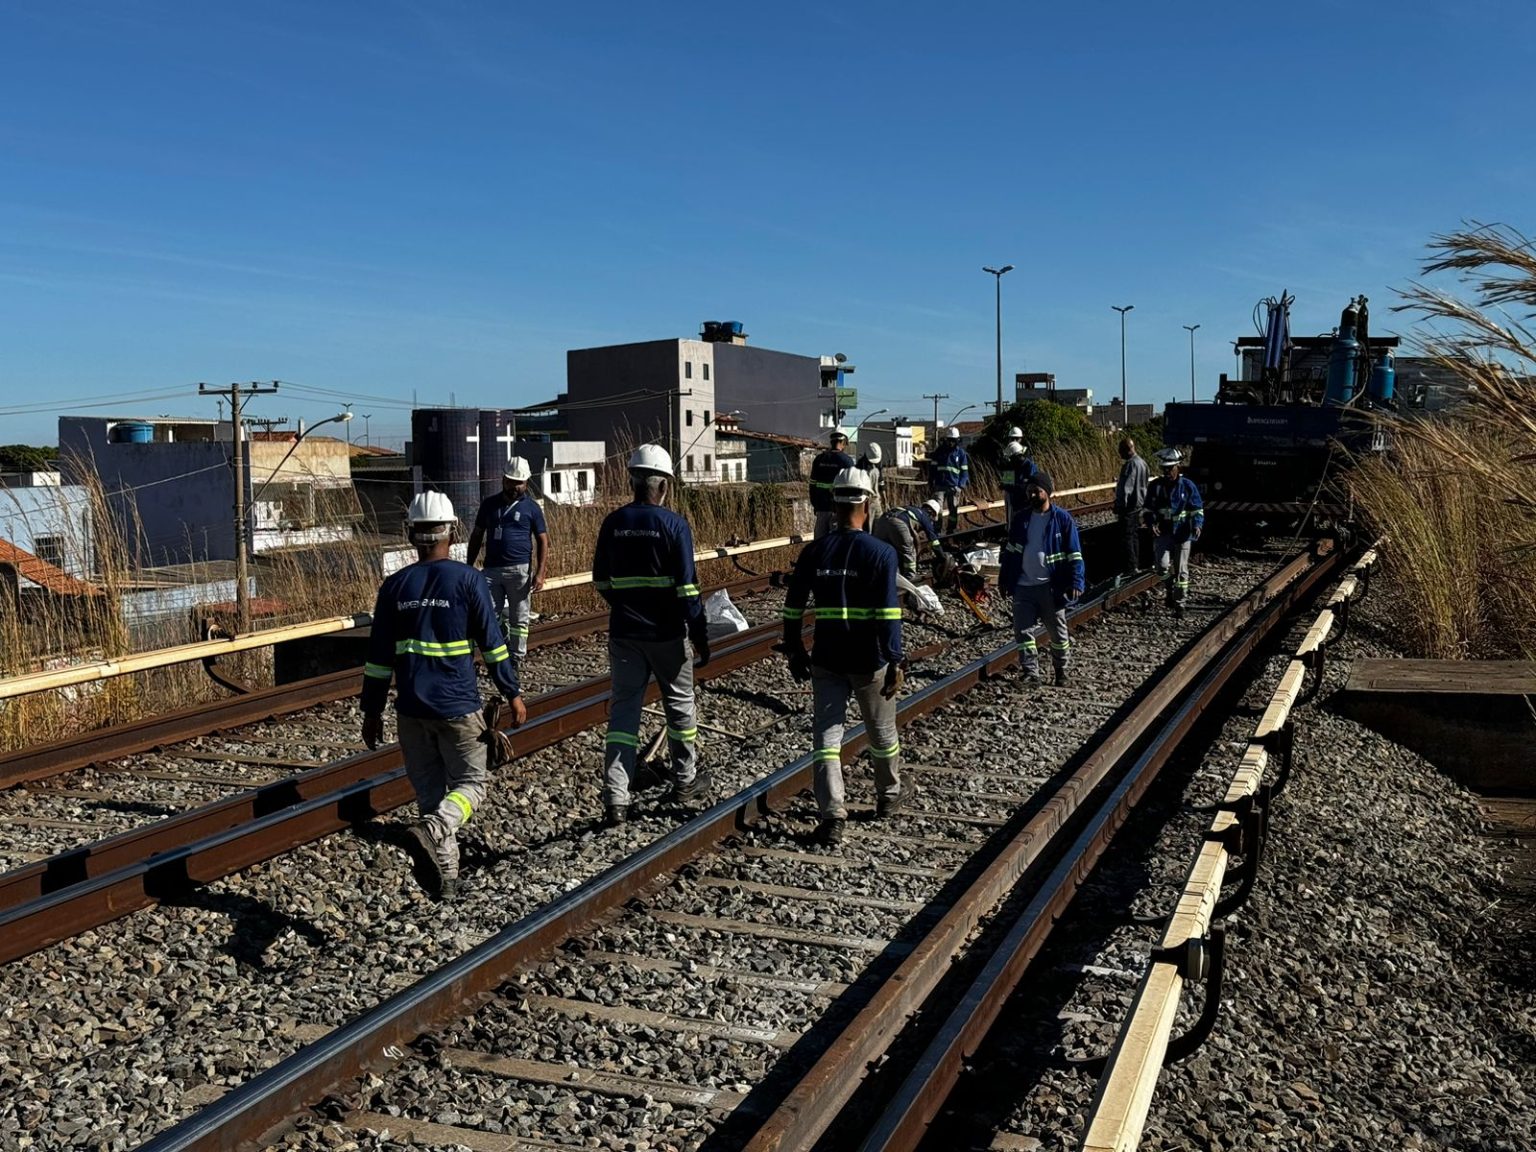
852	577
643	567
509	529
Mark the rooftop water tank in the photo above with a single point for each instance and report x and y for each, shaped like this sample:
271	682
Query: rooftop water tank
132	432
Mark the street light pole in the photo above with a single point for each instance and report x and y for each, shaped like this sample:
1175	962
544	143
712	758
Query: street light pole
237	393
997	274
367	439
1125	399
1190	328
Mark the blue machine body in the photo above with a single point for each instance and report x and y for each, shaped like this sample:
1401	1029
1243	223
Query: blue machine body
1383	382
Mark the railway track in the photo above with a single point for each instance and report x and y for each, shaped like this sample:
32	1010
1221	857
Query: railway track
714	988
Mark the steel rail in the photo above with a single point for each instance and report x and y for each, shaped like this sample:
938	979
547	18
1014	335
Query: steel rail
377	1038
1203	673
54	899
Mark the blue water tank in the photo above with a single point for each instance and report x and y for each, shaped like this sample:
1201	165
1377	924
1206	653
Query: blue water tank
732	326
1344	360
447	443
1383	382
132	432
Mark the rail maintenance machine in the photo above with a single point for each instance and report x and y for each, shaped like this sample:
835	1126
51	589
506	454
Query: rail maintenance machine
1268	453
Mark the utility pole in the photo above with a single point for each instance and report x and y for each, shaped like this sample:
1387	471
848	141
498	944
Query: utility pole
997	273
935	397
237	393
1125	398
1190	328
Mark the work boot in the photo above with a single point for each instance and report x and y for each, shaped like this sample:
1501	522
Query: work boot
615	814
422	847
830	831
1032	677
890	805
1061	677
449	892
695	789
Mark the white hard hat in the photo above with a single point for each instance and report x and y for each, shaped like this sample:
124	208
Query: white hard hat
431	508
933	506
874	453
954	433
651	458
517	469
1168	457
1015	433
1014	448
851	486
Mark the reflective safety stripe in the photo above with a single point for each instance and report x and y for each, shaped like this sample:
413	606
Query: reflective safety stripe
1055	647
835	613
378	671
600	585
496	655
686	735
687	590
1027	645
518	630
642	582
885	753
827	754
821	484
629	740
433	647
793	613
463	804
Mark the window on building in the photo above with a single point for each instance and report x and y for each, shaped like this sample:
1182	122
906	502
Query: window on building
709	463
687	369
555	479
582	479
49	549
690	462
706	371
688	417
740	470
706	416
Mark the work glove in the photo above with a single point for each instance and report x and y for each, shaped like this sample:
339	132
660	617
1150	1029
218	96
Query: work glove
895	677
498	745
373	729
699	635
799	664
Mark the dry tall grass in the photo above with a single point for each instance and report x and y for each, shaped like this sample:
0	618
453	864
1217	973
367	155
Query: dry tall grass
1456	497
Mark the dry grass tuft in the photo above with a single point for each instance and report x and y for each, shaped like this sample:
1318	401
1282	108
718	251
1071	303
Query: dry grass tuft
1456	498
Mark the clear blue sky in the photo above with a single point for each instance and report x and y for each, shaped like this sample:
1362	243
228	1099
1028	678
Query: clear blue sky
387	197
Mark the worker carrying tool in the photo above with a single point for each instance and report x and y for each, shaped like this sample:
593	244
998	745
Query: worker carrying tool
428	618
516	554
949	473
643	567
824	470
1042	567
1177	515
851	576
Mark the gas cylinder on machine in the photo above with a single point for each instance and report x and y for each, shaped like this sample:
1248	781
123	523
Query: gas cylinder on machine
1383	382
1344	361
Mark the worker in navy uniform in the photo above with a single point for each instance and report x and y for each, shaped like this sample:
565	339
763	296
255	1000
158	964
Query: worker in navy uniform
949	473
1042	566
516	554
429	617
869	462
910	531
643	567
824	470
1177	515
1017	471
851	576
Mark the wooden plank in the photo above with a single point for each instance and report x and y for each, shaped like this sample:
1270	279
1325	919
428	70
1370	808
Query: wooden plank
1317	635
824	861
825	989
1480	677
622	1014
1344	591
1249	775
785	932
1282	701
593	1080
811	894
405	1129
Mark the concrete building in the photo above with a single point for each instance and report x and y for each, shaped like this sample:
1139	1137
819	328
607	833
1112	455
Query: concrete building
895	440
1115	416
670	392
48	519
564	471
169	486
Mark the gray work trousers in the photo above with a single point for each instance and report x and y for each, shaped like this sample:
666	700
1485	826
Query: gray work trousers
445	763
1172	559
1036	604
1130	538
829	693
897	532
950	499
826	523
633	663
512	594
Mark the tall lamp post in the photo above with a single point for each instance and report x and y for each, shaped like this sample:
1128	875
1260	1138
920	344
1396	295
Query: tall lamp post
997	274
1125	399
1190	328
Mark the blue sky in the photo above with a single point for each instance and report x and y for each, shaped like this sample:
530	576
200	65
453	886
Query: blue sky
390	198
